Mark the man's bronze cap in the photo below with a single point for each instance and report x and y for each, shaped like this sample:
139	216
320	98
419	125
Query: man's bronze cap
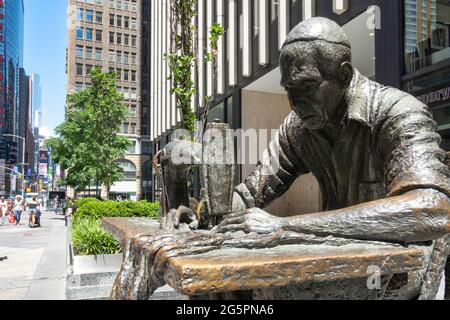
318	28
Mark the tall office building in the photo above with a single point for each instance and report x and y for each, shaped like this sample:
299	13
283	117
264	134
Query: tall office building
420	24
11	62
427	58
108	34
35	115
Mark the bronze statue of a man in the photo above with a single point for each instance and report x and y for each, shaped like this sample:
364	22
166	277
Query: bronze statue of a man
373	149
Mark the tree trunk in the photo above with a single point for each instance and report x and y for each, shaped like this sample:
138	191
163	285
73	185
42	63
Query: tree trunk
108	189
96	184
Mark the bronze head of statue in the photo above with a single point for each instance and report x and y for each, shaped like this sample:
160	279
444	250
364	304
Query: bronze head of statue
316	71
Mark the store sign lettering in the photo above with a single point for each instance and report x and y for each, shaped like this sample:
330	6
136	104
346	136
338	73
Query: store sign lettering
436	96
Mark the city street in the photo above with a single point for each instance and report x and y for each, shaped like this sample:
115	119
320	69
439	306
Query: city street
33	261
289	150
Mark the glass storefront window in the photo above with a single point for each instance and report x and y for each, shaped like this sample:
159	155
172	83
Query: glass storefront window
217	112
222	111
427	36
230	112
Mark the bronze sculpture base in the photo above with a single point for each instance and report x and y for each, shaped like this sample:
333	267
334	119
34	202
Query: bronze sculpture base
294	271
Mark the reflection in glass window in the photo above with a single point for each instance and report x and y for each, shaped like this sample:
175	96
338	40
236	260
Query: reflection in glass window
80	14
99	17
79	69
98	54
88	34
129	169
89	15
427	36
88	53
79	33
98	35
79	51
112	56
217	113
230	111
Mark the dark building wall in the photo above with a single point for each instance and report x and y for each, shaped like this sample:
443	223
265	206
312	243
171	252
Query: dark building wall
146	67
11	60
12	57
24	103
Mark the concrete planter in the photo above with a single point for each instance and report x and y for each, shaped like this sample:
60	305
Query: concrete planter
90	277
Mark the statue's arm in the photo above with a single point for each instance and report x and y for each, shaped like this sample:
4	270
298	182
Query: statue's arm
419	215
417	207
279	167
416	177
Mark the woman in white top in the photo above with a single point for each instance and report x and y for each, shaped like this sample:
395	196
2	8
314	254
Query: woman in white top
3	209
19	205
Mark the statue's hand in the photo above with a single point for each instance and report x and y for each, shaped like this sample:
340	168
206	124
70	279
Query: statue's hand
251	221
177	217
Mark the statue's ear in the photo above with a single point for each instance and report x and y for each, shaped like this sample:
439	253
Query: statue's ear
346	74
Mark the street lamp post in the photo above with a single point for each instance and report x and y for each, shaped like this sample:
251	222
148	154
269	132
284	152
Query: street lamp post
23	159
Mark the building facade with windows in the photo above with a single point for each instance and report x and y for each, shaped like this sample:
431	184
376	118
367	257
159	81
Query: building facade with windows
109	34
25	128
248	94
427	58
35	114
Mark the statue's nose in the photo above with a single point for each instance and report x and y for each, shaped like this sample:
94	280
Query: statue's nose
291	82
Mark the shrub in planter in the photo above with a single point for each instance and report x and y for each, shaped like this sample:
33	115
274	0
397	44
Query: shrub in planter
81	202
100	209
89	238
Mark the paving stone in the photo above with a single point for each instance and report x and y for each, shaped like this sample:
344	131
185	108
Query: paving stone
34	260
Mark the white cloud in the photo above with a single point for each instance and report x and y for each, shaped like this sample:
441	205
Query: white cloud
46	132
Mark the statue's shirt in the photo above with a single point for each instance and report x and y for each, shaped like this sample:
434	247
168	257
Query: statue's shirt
388	145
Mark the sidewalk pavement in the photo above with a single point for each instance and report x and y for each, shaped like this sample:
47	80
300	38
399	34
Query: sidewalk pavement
33	261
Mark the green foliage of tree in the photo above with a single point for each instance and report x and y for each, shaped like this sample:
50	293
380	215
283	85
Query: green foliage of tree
215	32
183	61
88	143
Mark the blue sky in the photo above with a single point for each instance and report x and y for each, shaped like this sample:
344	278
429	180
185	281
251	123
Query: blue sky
45	54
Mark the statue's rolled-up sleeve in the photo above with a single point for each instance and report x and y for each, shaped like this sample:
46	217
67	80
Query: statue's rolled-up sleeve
279	167
409	148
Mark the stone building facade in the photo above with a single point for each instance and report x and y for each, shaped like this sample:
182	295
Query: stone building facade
108	34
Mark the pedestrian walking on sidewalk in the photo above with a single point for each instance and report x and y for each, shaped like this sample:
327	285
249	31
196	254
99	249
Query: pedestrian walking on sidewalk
3	209
19	206
32	212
